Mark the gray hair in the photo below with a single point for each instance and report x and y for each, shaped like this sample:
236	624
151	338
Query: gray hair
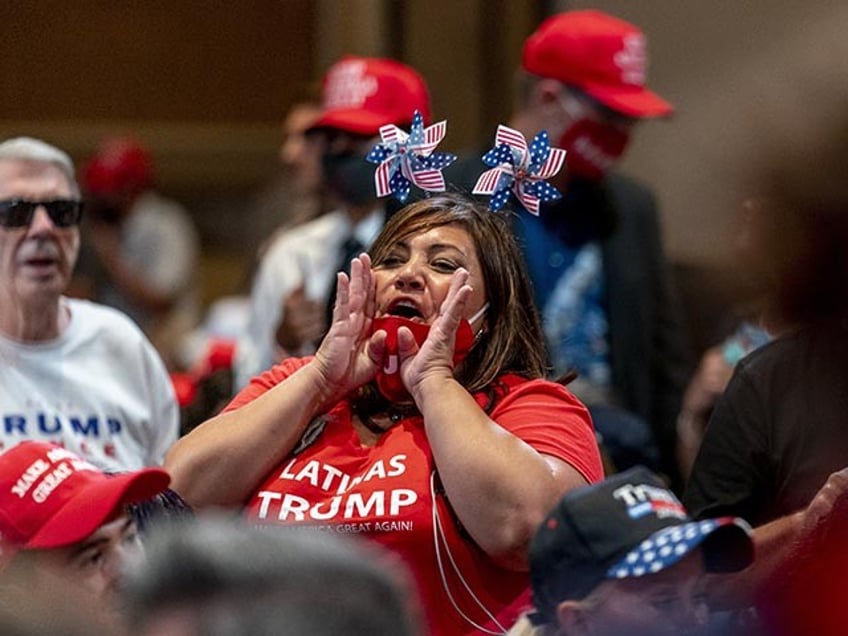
31	149
232	578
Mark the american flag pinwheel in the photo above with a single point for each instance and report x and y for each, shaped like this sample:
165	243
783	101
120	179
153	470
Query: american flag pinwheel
406	158
520	170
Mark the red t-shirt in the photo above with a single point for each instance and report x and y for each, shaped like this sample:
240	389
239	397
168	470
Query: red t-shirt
384	493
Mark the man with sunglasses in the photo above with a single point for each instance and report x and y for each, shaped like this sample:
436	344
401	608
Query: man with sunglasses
595	256
73	372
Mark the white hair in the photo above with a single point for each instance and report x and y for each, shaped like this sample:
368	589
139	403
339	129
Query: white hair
31	149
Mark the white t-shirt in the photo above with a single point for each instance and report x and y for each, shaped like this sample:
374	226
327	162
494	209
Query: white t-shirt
159	241
100	389
160	244
307	254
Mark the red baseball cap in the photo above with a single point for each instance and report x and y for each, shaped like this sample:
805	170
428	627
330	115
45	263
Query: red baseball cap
119	166
602	55
51	497
361	94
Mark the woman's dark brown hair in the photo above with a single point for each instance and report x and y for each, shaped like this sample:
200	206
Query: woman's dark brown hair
512	341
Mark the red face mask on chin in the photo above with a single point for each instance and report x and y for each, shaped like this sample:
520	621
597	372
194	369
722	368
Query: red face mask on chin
388	377
592	148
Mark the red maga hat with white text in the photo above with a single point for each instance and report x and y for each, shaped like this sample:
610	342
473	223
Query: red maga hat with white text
51	497
602	55
362	94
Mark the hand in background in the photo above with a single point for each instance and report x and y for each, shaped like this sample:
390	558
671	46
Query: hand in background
827	513
303	322
708	383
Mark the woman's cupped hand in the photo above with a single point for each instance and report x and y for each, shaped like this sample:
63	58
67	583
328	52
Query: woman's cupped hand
434	358
350	355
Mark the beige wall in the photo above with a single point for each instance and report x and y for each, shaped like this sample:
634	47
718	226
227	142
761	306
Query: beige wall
740	74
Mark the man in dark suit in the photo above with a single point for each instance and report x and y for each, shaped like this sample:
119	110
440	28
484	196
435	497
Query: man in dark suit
595	256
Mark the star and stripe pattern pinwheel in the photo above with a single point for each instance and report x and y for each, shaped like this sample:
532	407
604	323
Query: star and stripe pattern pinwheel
408	158
520	170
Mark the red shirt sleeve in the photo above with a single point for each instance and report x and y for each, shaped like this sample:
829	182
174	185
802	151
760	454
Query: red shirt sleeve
265	381
552	420
544	414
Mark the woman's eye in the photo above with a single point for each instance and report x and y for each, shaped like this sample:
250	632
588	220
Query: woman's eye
445	266
390	261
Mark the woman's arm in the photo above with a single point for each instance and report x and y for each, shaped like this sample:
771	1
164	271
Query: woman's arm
499	486
222	461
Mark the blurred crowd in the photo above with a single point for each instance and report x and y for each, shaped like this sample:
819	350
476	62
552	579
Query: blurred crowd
460	395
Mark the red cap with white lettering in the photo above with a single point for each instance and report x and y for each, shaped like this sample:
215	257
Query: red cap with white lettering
51	497
361	94
604	56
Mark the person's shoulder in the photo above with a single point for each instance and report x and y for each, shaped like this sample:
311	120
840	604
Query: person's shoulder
630	193
265	381
518	386
154	205
103	319
788	351
789	360
308	233
91	310
155	215
620	183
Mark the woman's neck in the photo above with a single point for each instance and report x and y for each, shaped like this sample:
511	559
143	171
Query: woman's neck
372	420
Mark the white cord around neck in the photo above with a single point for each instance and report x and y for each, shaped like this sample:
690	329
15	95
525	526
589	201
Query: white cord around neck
438	531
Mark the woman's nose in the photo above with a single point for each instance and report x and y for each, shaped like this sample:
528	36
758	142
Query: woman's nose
410	276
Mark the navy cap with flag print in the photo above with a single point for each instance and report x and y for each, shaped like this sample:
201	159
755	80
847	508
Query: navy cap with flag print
629	525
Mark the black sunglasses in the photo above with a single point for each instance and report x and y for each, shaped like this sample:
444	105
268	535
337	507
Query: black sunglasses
19	212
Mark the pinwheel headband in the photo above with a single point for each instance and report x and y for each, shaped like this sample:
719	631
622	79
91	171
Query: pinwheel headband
408	158
519	170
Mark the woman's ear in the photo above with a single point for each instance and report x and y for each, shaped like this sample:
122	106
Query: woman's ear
573	618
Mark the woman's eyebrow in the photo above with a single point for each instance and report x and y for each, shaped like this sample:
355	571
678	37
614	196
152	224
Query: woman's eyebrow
439	247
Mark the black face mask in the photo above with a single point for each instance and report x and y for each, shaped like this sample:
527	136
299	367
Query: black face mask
350	177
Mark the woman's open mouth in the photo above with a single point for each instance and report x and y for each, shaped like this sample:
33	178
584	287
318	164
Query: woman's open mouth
405	309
